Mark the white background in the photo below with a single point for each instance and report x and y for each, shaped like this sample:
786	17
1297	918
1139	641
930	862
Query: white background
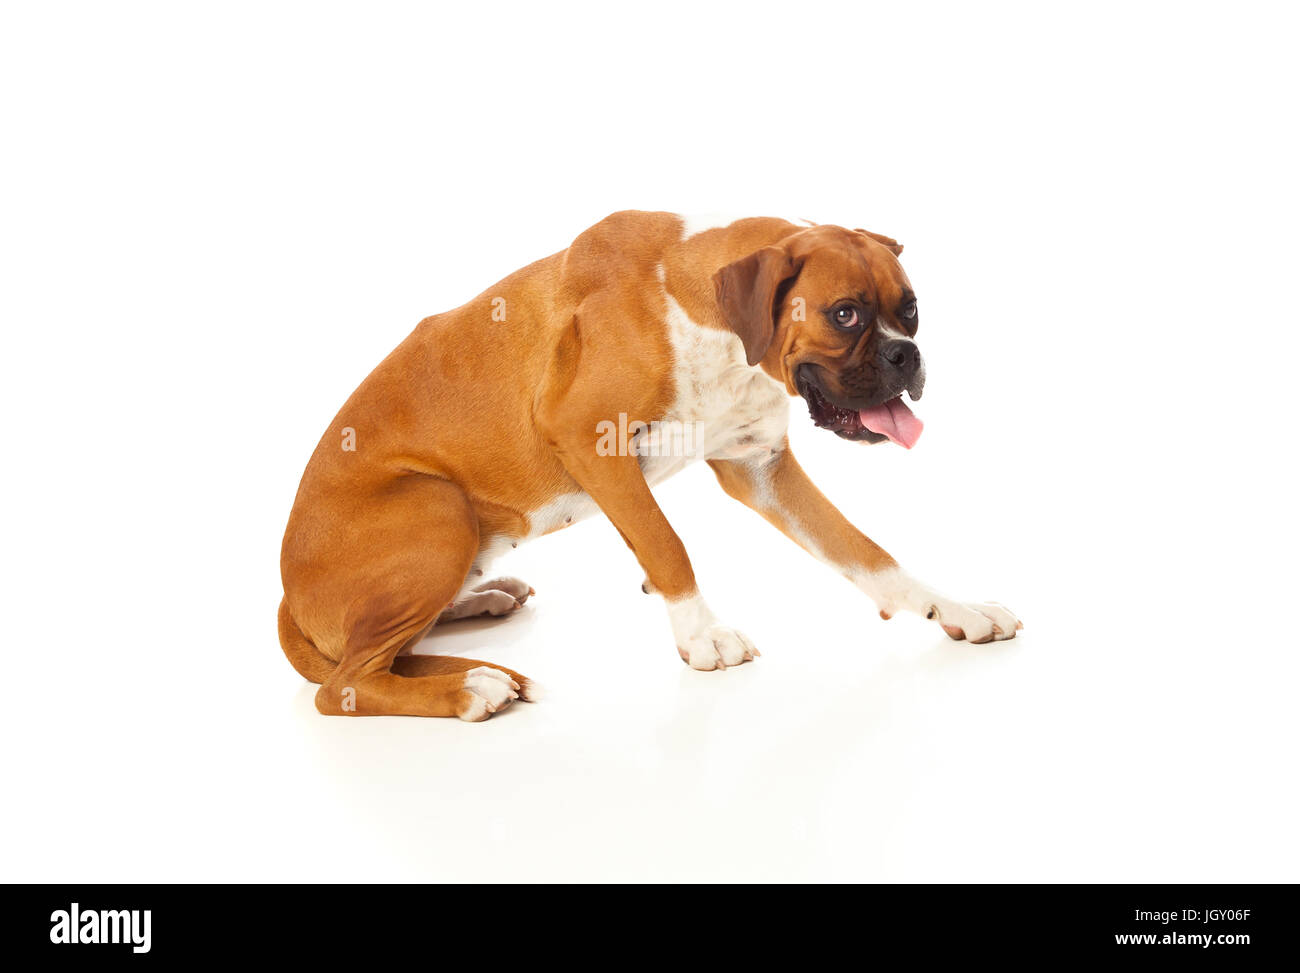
217	220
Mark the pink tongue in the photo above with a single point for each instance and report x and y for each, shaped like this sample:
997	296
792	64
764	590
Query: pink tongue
895	420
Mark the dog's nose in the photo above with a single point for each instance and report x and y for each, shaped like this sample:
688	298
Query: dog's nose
901	353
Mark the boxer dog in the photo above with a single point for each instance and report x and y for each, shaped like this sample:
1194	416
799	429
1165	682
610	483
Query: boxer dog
494	424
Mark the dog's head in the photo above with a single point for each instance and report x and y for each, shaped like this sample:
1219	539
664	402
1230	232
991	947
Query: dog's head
830	313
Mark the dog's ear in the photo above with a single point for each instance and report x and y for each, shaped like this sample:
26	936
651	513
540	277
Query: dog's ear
894	246
747	292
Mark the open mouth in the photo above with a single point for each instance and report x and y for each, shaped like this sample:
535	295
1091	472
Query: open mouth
889	420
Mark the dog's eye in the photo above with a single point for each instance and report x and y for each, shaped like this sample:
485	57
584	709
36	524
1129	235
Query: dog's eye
846	316
910	310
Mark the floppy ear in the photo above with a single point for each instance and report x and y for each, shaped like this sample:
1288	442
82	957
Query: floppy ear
890	242
747	293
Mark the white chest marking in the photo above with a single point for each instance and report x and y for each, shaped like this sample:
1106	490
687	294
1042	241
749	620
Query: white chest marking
722	408
733	410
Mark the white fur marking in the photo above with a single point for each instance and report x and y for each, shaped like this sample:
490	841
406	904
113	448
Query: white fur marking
735	408
701	640
893	590
492	689
887	329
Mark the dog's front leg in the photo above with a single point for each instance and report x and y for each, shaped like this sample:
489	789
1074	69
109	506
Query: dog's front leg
619	488
777	488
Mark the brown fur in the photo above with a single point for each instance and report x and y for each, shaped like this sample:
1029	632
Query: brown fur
472	422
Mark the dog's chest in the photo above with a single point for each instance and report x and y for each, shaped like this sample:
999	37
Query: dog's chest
722	408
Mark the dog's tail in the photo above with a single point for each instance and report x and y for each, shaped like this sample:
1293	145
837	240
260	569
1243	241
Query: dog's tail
312	664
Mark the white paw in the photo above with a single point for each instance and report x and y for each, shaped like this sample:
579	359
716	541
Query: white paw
893	590
494	602
489	601
987	622
516	589
704	643
490	690
717	647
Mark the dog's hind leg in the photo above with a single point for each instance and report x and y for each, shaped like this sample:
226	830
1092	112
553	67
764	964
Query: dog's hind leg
436	665
397	556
